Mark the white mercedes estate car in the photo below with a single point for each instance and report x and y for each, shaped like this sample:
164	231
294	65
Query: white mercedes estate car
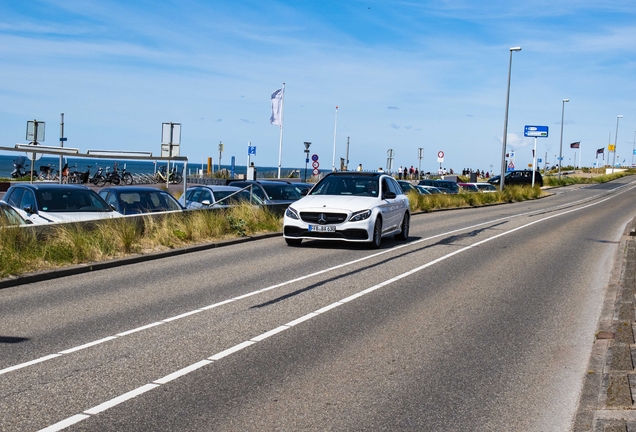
349	206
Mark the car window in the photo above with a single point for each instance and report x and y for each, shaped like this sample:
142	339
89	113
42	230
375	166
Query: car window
67	200
206	195
28	200
282	192
111	199
395	187
190	193
15	197
347	185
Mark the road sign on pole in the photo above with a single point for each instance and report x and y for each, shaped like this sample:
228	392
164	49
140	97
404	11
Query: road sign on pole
535	131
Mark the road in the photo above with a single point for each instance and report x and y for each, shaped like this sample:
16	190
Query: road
483	321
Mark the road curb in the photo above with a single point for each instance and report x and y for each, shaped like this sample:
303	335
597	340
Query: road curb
101	265
607	398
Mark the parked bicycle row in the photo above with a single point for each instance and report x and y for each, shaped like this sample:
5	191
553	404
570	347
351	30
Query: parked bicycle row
101	177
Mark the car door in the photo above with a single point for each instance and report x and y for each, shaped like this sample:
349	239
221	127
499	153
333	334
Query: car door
390	206
28	202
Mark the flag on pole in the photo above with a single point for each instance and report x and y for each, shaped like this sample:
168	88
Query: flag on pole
575	145
277	107
601	150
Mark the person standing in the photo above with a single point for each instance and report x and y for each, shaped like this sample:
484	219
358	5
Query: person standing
400	173
360	167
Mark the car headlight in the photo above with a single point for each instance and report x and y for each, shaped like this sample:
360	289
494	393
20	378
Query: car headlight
360	215
291	213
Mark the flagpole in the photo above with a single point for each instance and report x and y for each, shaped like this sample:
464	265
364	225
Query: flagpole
282	116
335	128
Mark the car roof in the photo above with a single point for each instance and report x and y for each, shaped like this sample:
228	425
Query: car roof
267	182
355	174
216	187
131	189
50	186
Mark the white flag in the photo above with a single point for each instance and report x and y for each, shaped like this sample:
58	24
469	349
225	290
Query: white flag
277	108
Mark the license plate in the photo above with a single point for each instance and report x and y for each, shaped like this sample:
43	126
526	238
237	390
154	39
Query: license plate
322	228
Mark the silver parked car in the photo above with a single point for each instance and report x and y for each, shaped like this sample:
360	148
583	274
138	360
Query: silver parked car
215	196
43	203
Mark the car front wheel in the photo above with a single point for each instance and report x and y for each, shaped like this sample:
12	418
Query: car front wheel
404	234
376	238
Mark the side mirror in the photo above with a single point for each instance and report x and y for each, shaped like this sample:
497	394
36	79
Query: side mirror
389	195
206	202
29	209
112	206
304	192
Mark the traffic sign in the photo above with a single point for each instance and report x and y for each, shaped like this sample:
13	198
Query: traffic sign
440	154
251	150
314	157
535	131
315	164
315	171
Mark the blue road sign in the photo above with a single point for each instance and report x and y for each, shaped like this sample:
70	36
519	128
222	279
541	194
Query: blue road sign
535	131
251	150
539	160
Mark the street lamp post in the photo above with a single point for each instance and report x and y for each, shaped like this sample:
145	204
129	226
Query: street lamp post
505	131
615	143
561	141
307	144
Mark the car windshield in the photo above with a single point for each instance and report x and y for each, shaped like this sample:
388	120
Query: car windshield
242	196
342	185
67	200
282	192
150	201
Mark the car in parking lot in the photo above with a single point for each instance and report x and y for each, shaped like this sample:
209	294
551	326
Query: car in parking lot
129	200
428	189
467	187
271	191
216	196
408	187
518	177
485	187
349	206
10	217
43	203
446	186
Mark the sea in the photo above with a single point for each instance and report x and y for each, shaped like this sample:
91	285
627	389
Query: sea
136	166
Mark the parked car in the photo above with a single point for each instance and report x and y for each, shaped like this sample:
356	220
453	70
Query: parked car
204	196
519	177
485	187
271	191
10	217
303	188
349	206
129	200
43	203
407	186
429	189
468	187
446	186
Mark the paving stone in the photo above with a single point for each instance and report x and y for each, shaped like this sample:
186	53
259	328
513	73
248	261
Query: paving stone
618	392
626	311
621	358
624	333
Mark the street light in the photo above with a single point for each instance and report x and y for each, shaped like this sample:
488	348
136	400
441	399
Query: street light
615	142
505	131
561	142
307	144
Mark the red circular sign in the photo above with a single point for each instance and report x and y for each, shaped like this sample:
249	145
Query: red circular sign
440	154
316	172
315	164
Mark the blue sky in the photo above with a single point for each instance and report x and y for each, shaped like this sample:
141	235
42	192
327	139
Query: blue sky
404	74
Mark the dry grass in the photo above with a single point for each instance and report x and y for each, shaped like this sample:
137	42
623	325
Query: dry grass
21	250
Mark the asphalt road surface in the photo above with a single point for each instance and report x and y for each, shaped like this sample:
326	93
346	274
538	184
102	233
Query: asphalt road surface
483	321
